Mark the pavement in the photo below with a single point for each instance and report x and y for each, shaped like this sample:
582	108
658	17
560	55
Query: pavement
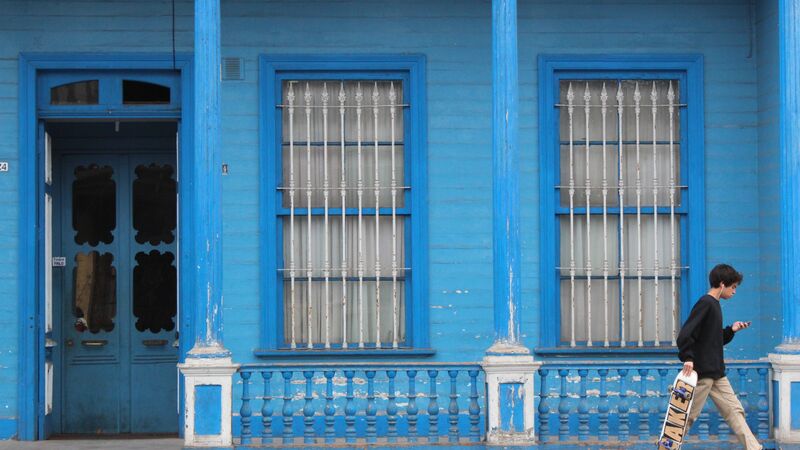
96	444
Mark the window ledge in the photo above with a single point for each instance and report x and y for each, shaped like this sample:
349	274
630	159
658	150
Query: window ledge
594	351
338	353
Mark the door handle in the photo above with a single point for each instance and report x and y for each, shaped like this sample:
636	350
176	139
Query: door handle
94	342
154	342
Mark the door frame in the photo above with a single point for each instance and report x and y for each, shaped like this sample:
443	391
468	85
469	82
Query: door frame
31	384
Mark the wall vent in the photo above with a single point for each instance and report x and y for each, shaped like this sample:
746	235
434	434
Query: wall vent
232	69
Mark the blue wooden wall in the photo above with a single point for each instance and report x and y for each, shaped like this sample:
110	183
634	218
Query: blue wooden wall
737	39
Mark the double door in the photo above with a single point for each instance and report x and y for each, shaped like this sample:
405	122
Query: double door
115	221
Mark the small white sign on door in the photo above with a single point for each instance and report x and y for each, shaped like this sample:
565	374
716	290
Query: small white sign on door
59	261
3	166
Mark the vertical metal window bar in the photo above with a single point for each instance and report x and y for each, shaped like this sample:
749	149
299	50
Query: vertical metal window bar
622	267
377	186
395	323
637	99
673	263
587	189
292	267
360	194
571	110
309	266
654	108
343	190
326	271
603	111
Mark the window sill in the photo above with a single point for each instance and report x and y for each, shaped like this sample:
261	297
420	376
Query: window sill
339	353
621	351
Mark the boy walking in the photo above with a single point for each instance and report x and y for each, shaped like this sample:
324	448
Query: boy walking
700	344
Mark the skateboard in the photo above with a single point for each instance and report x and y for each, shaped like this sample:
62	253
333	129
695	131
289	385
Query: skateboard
681	397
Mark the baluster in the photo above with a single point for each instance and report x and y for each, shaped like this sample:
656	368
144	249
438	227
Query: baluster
544	408
743	394
288	433
391	408
474	408
622	407
644	408
330	410
349	409
763	404
453	409
723	429
411	409
308	409
245	412
371	410
583	408
563	407
433	408
662	397
266	410
602	406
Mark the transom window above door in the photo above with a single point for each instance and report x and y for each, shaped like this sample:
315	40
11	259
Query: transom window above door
108	91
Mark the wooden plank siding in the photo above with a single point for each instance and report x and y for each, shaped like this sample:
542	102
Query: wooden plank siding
740	122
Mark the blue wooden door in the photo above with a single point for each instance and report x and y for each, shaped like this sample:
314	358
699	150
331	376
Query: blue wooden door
119	298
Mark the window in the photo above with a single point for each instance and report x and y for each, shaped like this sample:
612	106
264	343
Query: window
78	93
345	229
623	223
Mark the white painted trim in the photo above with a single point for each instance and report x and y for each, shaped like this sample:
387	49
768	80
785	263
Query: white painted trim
208	372
785	370
510	368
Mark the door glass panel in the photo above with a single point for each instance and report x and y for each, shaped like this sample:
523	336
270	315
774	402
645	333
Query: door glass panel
154	291
95	296
94	208
78	93
154	204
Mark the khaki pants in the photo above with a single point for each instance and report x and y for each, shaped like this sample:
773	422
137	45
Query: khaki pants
729	408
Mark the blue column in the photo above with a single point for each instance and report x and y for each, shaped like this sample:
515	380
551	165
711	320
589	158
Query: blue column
505	166
789	53
207	194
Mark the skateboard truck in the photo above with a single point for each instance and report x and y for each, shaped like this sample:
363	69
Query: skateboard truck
666	442
682	393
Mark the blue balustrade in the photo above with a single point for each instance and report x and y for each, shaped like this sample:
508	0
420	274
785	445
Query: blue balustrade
360	404
365	403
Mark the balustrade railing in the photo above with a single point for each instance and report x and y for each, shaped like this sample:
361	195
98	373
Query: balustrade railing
443	404
626	401
359	404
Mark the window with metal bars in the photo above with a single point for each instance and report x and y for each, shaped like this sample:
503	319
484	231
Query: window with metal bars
346	211
621	206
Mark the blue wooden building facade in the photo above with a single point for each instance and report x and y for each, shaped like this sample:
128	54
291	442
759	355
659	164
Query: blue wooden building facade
272	223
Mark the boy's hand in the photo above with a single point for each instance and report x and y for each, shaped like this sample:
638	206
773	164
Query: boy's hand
740	326
688	368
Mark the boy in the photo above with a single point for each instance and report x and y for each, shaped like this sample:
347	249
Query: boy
700	344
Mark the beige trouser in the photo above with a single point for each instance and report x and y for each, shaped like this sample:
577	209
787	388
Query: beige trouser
729	408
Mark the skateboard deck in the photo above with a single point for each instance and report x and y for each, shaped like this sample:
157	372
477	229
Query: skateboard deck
681	397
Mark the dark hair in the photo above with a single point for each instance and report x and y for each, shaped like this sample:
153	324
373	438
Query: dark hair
724	274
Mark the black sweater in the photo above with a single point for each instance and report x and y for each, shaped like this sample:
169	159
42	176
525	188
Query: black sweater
702	337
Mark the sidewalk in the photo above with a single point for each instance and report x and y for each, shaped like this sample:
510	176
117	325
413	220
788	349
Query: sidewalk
95	444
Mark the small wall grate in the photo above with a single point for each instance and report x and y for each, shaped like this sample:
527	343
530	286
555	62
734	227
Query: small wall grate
232	69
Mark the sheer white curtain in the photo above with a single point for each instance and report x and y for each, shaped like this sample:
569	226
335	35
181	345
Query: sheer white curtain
342	144
619	268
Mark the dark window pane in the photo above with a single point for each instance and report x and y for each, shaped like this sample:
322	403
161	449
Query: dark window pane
94	205
140	92
95	296
154	291
78	93
154	203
